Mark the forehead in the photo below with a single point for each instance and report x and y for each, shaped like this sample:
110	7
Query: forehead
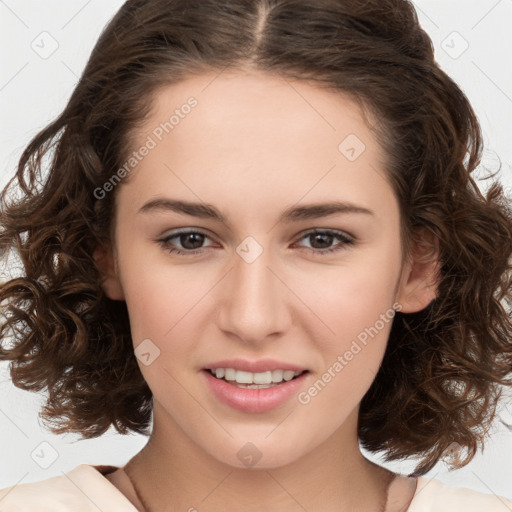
265	107
263	136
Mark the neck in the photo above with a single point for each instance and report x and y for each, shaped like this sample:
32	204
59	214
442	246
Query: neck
174	473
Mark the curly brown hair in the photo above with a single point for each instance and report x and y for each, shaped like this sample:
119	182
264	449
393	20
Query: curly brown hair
444	366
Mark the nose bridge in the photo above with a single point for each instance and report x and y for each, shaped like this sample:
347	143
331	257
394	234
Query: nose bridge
254	305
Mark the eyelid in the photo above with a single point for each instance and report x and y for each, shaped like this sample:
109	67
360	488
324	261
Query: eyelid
322	231
346	240
185	231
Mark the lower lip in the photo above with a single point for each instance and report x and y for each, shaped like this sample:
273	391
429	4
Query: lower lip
254	400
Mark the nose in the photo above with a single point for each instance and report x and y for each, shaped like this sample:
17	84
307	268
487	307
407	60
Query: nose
255	301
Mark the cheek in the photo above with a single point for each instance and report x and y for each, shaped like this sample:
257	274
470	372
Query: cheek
361	315
165	310
338	303
356	304
158	295
354	298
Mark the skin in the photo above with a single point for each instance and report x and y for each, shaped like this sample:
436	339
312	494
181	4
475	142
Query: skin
255	145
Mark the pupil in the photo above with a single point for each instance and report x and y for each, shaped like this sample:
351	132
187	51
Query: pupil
188	236
323	235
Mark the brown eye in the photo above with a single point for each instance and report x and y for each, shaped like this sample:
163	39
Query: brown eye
191	242
194	239
321	241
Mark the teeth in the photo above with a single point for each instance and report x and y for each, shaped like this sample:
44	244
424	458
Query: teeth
242	377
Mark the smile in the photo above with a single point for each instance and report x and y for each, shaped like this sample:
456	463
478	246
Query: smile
246	392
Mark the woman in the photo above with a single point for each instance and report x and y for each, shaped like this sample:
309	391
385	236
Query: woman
167	283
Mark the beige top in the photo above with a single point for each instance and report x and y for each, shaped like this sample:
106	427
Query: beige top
86	489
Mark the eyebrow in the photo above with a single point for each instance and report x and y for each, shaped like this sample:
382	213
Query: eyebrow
292	214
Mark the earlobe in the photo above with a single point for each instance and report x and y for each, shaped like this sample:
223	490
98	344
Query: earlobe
421	275
105	261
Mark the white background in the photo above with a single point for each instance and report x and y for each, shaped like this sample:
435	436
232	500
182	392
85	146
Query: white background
33	90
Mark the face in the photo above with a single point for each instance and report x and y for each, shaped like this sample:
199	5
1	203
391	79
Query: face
270	276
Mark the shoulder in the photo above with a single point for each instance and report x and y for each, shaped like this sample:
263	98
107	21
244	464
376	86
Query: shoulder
434	496
84	489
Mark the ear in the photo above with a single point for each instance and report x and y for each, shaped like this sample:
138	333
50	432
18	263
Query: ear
421	274
106	263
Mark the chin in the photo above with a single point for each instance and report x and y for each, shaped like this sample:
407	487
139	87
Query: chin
254	455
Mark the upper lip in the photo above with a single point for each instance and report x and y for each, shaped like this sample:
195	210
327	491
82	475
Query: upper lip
262	365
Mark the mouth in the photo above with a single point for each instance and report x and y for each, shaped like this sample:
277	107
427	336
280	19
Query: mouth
249	380
255	392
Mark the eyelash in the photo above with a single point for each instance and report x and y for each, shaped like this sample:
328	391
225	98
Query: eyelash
337	234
